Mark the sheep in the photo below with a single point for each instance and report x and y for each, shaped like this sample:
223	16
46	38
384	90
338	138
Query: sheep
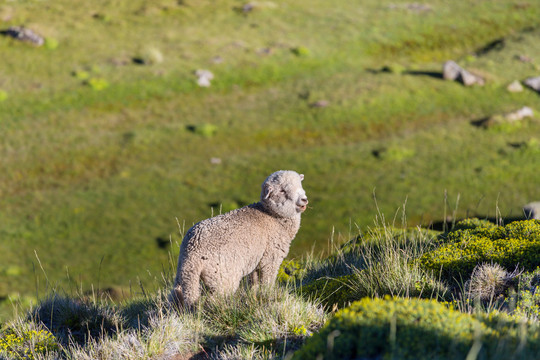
252	240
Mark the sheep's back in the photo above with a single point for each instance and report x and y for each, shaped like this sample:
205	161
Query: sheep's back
242	232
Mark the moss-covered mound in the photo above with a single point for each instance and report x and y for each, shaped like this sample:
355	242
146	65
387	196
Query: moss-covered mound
419	329
473	242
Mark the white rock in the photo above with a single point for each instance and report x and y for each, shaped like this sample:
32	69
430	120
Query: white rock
515	86
532	210
204	77
520	114
451	70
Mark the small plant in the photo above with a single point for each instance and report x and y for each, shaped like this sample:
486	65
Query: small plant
290	270
51	43
301	51
3	95
488	281
205	130
26	344
97	84
81	75
149	56
396	153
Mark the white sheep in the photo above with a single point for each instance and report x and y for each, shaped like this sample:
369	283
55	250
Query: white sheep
252	240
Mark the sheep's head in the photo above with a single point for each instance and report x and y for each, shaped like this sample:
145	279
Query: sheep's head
283	194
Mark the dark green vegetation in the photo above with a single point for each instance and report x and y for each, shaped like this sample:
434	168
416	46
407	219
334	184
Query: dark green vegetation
371	297
420	329
107	139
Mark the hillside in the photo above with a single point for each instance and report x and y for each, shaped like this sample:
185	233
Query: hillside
109	146
394	292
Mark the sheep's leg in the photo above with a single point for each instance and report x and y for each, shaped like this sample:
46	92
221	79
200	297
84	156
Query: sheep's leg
188	279
254	277
269	271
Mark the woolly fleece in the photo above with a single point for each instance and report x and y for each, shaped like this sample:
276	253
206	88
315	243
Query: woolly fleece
252	240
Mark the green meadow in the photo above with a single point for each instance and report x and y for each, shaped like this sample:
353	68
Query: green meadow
110	150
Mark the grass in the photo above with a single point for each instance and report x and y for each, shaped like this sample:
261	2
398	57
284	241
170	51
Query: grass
102	153
297	316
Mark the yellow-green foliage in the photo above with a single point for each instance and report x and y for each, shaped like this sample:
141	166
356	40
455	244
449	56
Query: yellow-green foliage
290	270
528	295
516	244
27	344
332	291
418	329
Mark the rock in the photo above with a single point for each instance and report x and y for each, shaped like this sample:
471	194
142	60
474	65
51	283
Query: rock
204	77
217	60
508	118
414	7
515	86
452	71
247	7
519	114
215	161
532	210
23	34
319	104
533	83
524	58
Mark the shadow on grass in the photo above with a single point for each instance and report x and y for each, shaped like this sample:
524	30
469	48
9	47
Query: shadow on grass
448	224
389	70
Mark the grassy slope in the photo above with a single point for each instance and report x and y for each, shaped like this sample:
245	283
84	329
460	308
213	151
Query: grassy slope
92	178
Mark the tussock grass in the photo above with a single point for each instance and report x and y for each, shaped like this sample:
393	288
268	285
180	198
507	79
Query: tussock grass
266	322
381	262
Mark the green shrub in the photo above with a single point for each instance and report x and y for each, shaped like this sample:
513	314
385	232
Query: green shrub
474	223
206	130
51	43
516	244
290	270
97	84
81	75
149	56
418	329
3	95
301	51
528	295
397	153
27	344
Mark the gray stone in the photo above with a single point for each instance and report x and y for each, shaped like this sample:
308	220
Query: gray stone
319	104
532	210
451	70
507	118
533	83
519	114
23	34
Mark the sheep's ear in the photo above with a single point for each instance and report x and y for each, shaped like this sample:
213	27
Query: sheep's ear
301	177
267	191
